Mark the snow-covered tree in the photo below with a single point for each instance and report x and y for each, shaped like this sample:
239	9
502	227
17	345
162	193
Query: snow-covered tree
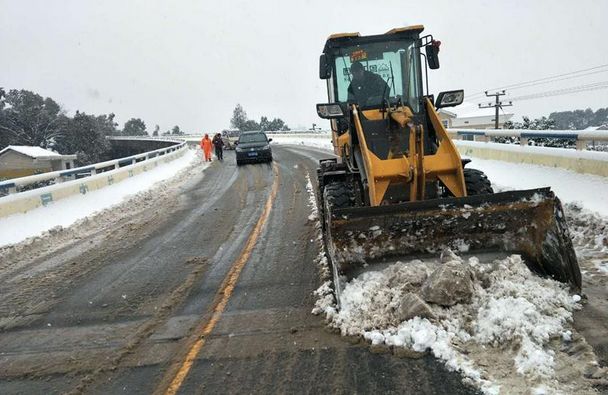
83	135
239	118
27	118
134	127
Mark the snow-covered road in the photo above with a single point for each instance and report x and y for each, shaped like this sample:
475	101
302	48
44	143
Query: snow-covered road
517	331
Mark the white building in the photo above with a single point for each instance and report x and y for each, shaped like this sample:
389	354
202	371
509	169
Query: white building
467	116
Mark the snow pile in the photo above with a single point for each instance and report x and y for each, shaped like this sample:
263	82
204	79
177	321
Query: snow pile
589	231
503	337
521	307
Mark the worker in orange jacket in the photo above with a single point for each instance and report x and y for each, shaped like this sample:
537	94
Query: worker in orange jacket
206	147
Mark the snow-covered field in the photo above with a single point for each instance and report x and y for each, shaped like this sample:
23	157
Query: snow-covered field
508	330
65	212
589	191
320	140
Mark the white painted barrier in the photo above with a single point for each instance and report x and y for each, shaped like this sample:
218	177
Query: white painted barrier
586	162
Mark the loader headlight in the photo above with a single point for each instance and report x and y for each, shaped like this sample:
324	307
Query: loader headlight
329	110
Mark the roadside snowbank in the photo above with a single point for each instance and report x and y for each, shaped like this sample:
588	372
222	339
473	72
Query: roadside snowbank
515	333
65	212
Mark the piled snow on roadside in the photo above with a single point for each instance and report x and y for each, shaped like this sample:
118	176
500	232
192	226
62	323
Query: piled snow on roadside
512	318
325	297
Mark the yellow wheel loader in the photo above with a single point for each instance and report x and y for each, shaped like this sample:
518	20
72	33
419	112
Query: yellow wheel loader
399	187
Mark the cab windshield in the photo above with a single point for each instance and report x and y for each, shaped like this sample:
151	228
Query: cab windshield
370	74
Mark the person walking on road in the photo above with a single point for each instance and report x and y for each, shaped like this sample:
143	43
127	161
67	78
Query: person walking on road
206	147
218	143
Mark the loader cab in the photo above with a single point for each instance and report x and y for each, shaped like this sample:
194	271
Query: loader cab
393	57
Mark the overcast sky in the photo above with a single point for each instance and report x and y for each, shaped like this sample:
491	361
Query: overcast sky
190	62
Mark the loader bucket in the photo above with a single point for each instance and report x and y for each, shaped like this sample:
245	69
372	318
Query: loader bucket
528	222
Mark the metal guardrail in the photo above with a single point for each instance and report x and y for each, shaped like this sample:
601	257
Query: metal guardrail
581	137
54	177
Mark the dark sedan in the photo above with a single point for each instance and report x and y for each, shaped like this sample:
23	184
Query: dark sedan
253	147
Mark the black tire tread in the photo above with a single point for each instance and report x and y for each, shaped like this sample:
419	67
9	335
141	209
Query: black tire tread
339	194
477	183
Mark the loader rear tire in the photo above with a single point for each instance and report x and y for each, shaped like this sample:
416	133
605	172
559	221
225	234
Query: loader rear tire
477	182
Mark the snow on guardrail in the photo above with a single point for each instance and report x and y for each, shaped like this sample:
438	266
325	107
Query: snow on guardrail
581	137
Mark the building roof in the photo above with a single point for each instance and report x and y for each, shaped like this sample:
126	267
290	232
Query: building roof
36	152
447	113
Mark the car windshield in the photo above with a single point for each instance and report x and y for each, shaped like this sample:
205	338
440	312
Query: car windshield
368	73
253	138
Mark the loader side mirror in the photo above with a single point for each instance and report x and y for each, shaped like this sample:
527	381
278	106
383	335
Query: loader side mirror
324	69
432	54
449	98
329	110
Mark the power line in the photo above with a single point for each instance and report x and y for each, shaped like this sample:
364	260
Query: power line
560	79
564	91
547	79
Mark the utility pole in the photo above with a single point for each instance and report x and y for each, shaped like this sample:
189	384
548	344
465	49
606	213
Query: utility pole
497	105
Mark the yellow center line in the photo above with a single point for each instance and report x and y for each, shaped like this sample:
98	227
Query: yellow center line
224	293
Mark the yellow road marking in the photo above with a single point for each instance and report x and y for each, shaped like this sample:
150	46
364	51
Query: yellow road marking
224	293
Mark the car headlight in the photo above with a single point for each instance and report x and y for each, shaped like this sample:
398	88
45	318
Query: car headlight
239	149
266	147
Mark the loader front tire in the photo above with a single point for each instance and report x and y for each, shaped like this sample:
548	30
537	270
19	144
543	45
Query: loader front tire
338	194
477	182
